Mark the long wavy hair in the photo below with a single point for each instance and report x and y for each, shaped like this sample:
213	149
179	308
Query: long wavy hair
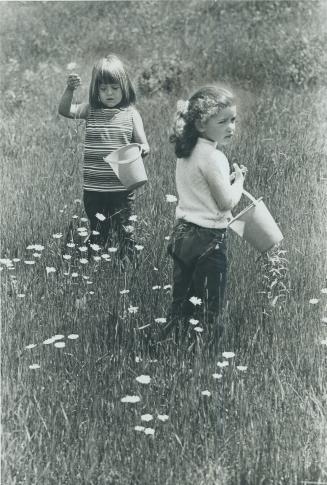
204	103
111	70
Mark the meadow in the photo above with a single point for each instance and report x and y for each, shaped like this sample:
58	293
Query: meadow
83	400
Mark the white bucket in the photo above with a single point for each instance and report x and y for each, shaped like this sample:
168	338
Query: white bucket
256	225
127	164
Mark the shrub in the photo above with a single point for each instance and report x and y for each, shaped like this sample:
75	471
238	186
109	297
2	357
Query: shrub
166	75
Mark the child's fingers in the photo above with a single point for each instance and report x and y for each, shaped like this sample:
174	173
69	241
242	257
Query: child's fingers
74	78
238	172
73	75
144	150
240	168
73	81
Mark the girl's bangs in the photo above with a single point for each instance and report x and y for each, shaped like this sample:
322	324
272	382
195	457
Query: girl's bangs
108	77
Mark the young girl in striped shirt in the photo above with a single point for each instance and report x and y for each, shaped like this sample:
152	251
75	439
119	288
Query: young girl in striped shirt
207	192
112	122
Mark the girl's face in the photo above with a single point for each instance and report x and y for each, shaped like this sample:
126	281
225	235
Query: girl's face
220	127
110	94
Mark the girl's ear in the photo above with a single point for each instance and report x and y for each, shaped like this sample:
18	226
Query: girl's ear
199	126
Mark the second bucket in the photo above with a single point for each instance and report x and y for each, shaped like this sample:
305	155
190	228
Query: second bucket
127	164
256	225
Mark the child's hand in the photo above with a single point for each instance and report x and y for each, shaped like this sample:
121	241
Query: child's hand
73	81
239	175
242	169
145	150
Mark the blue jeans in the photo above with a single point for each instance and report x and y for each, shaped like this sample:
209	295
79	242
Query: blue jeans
117	207
200	270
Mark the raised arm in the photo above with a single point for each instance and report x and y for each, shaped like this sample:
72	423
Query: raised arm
226	195
66	106
139	135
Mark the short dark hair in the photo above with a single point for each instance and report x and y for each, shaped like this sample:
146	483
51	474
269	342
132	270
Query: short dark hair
111	70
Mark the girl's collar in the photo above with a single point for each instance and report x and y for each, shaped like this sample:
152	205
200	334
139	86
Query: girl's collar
209	142
112	109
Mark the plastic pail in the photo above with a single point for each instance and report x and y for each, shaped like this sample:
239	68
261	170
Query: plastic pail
256	225
127	164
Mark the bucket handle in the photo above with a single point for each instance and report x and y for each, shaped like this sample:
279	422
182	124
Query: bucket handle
252	199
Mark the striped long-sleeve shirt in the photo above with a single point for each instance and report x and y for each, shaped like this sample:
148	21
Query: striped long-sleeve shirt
106	130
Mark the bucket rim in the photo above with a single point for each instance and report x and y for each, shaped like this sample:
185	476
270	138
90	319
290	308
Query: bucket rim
123	162
246	209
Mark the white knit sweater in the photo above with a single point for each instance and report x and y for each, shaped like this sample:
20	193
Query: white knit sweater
205	193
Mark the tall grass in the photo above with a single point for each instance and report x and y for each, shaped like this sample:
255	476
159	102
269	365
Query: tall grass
65	422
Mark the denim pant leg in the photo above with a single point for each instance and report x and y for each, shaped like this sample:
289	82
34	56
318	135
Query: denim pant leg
95	202
121	209
180	309
199	270
209	283
183	249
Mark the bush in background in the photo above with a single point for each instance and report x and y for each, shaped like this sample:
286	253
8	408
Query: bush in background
169	44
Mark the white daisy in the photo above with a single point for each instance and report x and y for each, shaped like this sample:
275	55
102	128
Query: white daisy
99	216
143	379
50	269
162	417
133	309
70	67
206	393
95	247
131	399
171	198
146	417
228	355
217	376
139	428
59	345
195	301
193	321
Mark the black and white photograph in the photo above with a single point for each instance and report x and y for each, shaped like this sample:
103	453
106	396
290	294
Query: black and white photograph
163	247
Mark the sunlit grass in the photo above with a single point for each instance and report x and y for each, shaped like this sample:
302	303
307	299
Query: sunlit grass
83	400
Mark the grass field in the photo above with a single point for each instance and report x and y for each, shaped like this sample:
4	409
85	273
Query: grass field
201	416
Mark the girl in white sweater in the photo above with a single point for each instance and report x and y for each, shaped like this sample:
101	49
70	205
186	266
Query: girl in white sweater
207	192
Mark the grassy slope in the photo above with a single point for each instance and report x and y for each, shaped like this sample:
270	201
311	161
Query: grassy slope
65	423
